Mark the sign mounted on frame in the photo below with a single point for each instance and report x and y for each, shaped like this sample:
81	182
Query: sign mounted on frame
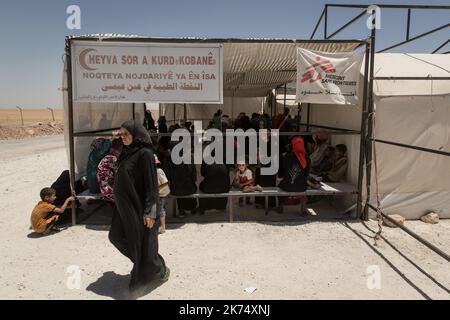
147	72
328	78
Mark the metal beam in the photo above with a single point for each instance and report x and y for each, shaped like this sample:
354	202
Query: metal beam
327	127
325	26
415	38
391	6
441	46
317	24
444	153
209	40
408	23
347	24
411	78
414	235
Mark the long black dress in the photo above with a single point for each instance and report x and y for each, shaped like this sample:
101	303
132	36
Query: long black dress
182	181
136	195
216	180
265	180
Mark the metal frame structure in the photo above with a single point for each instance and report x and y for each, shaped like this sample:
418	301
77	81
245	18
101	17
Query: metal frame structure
72	134
366	130
367	138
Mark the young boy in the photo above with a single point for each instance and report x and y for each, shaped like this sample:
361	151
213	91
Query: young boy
45	213
244	181
164	191
339	169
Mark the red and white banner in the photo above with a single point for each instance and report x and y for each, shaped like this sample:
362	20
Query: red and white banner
147	72
328	78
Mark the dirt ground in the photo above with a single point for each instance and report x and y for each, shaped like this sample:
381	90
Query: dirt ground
307	259
36	122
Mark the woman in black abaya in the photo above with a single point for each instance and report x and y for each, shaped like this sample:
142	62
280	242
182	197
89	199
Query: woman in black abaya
135	222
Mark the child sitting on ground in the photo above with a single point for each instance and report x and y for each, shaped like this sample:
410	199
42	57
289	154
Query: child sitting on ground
164	191
244	181
45	213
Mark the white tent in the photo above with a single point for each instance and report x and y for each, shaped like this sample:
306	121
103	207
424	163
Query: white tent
412	112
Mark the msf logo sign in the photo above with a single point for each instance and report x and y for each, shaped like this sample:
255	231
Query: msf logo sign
313	72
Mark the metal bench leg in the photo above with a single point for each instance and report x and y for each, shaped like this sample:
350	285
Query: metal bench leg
230	208
266	204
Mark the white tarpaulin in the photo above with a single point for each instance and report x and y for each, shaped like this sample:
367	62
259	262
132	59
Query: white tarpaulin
414	112
143	72
328	78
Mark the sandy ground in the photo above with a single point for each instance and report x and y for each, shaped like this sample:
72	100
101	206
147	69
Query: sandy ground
300	260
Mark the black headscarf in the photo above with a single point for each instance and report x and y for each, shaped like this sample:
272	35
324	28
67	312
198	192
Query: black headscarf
141	138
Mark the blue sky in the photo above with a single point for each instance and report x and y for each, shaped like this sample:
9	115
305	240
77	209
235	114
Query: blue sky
32	32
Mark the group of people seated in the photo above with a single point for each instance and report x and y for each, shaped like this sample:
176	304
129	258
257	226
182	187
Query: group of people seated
305	161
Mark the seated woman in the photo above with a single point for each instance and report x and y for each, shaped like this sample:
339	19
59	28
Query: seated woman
107	169
216	179
264	180
182	182
294	169
326	163
321	144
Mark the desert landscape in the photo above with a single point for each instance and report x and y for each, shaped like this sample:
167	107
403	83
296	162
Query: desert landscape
30	123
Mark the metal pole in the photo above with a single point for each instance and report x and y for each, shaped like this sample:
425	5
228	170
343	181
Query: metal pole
325	23
185	115
53	116
347	24
362	139
298	116
174	115
441	46
317	24
308	116
71	138
284	101
414	235
21	114
134	112
370	114
408	24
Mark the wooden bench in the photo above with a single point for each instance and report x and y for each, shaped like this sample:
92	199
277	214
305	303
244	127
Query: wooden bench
326	189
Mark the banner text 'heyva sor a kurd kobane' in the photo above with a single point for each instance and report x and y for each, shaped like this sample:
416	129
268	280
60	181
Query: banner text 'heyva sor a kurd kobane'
147	72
